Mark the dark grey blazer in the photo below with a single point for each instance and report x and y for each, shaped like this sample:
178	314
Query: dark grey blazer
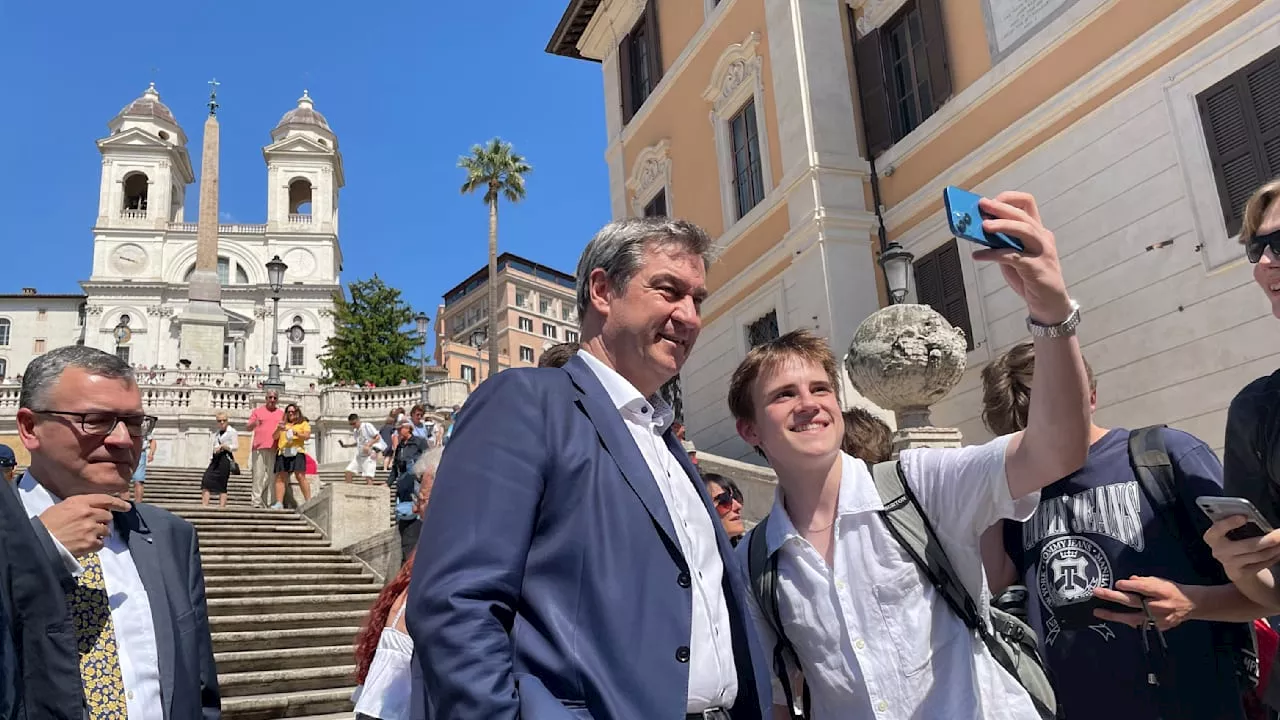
165	551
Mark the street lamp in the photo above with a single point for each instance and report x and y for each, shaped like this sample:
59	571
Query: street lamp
896	263
421	319
275	276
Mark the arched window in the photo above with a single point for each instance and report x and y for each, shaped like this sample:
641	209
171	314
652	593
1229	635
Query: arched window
300	197
242	277
135	192
224	272
4	331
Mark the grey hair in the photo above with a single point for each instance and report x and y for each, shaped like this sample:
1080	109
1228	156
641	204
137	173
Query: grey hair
428	462
43	372
619	249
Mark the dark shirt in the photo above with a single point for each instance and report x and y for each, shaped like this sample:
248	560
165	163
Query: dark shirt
1095	527
1251	456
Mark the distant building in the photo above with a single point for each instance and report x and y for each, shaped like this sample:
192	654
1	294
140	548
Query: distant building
537	309
144	252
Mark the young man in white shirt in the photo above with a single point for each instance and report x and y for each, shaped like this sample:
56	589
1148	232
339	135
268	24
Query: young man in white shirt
365	439
873	638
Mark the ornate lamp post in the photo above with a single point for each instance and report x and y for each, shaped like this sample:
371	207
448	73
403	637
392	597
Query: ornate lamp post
478	339
421	319
896	263
275	276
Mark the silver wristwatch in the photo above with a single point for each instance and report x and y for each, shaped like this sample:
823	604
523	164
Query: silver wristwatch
1066	328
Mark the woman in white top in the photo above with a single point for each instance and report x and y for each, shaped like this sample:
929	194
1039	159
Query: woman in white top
225	442
384	650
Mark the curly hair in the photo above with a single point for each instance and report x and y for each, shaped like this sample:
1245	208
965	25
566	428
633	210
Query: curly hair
1006	389
866	436
371	633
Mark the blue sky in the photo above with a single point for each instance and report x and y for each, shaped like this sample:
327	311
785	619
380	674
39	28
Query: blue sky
407	86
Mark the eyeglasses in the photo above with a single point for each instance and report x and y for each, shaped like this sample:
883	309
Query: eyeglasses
725	499
100	424
1259	244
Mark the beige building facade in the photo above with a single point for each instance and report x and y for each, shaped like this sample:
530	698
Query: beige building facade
783	125
538	310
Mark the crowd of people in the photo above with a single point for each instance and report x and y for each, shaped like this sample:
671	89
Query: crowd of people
567	557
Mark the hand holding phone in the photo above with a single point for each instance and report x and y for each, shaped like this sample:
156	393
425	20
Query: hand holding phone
964	218
1221	508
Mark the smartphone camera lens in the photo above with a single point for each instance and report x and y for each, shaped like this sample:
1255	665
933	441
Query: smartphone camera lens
962	221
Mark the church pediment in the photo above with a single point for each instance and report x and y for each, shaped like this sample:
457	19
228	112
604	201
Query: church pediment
133	138
297	144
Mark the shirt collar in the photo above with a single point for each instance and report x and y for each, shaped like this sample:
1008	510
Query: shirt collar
626	398
857	495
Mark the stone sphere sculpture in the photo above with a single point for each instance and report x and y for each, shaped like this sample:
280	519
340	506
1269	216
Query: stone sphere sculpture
905	358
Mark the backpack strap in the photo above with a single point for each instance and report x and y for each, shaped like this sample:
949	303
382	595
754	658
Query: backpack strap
911	528
763	569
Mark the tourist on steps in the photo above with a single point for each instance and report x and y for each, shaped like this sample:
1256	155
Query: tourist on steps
140	474
263	421
291	436
225	443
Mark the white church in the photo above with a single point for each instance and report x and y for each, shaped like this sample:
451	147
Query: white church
144	252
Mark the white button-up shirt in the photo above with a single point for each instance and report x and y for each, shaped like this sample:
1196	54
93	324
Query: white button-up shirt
713	679
130	609
873	637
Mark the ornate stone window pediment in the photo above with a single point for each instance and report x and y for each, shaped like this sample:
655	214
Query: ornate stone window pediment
651	175
874	13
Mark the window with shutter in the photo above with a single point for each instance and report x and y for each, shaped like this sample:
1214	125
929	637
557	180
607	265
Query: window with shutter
903	72
640	62
763	329
1241	120
657	207
940	285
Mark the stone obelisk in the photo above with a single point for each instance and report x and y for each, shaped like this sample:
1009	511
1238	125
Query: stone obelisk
204	323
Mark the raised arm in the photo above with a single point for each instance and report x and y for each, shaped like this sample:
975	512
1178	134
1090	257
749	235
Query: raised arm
1055	442
474	546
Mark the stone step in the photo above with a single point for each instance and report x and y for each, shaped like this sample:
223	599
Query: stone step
249	535
236	606
281	561
262	591
272	573
297	526
277	639
288	547
297	544
283	658
285	621
284	681
286	580
196	511
288	705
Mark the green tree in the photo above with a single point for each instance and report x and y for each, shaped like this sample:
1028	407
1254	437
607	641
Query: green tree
370	343
500	171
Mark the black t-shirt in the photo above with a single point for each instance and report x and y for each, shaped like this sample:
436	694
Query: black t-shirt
1095	527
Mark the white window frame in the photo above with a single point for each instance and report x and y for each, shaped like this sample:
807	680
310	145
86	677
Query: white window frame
522	321
4	367
300	348
1227	51
7	338
526	353
737	78
651	175
554	332
462	373
571	336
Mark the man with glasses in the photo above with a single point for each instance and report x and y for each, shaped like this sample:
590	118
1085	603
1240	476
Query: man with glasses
130	575
263	421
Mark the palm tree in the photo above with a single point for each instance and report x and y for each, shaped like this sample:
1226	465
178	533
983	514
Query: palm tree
500	171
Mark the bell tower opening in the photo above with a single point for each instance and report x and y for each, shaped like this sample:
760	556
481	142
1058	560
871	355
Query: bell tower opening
135	194
300	201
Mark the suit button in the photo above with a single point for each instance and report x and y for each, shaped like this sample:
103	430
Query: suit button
684	580
682	653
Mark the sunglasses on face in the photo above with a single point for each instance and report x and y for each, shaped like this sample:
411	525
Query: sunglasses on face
1259	244
724	500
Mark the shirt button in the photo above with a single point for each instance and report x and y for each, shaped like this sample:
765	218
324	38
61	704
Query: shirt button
682	654
840	585
683	580
129	695
882	706
859	644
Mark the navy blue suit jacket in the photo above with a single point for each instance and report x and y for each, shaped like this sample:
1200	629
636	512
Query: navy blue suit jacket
547	578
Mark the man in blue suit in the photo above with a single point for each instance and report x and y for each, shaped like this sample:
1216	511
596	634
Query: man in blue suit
571	564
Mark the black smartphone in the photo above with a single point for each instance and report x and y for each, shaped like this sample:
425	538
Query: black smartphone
1080	613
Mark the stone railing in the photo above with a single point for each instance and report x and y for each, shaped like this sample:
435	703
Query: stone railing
133	214
223	229
9	399
299	219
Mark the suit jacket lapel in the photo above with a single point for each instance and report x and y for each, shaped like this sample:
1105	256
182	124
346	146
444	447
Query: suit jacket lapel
146	557
620	444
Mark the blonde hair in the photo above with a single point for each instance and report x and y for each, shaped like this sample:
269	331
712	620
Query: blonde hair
1256	208
220	416
1006	389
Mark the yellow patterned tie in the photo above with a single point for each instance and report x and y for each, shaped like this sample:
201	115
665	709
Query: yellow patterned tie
96	636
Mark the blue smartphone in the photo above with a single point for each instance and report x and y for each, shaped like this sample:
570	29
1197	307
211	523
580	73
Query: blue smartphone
965	220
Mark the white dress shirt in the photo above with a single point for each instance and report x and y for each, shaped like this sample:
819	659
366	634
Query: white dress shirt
873	637
130	609
713	679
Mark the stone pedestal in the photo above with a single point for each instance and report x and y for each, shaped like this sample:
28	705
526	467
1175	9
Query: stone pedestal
202	339
348	513
905	358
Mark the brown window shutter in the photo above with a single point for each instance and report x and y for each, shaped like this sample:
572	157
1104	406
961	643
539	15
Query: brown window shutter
655	42
935	39
1235	165
940	285
873	94
1263	80
624	78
